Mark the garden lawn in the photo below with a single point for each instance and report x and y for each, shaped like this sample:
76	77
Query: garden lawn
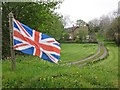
0	74
74	52
32	72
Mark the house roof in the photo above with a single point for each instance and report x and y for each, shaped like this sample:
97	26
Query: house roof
70	29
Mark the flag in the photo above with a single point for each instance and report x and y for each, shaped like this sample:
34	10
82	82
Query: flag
35	43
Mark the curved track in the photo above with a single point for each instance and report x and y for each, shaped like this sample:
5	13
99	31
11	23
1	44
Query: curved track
101	54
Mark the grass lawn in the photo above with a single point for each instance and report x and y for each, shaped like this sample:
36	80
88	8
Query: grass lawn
74	52
32	72
0	74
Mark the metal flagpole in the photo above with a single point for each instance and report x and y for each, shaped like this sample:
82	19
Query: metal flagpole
11	41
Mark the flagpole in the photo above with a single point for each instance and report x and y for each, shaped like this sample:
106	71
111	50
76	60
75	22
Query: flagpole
13	61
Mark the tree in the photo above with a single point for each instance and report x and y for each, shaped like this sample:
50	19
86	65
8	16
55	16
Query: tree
82	35
113	33
80	22
66	21
105	22
107	26
94	25
37	15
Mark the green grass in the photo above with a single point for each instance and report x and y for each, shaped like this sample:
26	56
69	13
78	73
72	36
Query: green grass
73	52
100	37
0	74
91	60
32	72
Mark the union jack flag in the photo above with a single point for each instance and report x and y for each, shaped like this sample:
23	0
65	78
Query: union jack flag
33	42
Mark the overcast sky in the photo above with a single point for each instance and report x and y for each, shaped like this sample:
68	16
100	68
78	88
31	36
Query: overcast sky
87	9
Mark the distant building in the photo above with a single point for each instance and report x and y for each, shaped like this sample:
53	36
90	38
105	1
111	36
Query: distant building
80	32
75	30
71	31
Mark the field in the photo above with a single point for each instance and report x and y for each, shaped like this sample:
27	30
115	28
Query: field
32	72
74	52
0	74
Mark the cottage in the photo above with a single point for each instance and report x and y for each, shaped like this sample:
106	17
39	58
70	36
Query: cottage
77	32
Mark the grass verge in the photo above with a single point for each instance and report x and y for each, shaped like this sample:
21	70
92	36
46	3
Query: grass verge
32	72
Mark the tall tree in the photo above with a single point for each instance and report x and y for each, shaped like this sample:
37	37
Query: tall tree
67	21
94	25
80	22
113	33
37	15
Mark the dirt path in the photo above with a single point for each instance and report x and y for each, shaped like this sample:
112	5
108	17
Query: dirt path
104	54
100	46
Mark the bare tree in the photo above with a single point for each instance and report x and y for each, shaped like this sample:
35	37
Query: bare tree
67	21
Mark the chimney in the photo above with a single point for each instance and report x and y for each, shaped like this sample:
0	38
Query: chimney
73	27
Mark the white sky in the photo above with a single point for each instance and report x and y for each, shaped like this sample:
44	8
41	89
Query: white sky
87	9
